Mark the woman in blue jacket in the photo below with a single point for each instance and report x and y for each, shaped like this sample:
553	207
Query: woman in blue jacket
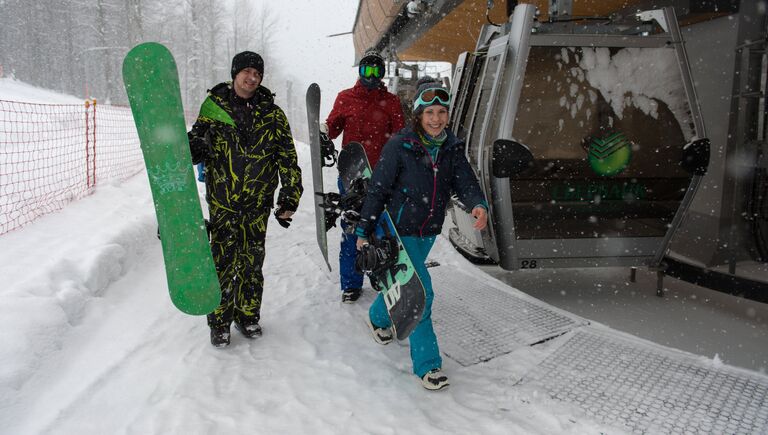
419	170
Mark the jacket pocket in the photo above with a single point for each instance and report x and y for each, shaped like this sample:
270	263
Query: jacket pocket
411	211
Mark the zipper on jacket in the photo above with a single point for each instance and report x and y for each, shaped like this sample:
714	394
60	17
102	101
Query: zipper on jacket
434	188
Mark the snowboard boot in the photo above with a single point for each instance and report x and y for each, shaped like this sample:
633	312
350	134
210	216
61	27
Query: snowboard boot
434	380
220	336
249	329
350	295
380	335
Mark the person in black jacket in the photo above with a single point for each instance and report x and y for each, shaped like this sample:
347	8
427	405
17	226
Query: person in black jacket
417	173
245	142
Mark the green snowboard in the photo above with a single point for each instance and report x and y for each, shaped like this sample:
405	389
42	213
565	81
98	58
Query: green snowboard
152	84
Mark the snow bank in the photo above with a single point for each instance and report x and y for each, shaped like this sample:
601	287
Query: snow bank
14	90
52	272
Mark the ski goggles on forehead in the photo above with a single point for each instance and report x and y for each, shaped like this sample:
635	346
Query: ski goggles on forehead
369	71
431	96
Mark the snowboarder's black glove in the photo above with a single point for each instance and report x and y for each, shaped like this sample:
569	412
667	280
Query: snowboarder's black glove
365	260
284	222
352	218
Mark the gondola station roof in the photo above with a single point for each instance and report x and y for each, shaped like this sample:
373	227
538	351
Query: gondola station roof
439	30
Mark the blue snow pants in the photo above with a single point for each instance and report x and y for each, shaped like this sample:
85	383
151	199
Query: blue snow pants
425	353
348	275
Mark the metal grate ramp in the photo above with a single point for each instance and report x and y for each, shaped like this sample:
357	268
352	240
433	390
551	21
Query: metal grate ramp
480	319
645	388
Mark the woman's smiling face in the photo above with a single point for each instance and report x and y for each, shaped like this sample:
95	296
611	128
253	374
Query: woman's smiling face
434	119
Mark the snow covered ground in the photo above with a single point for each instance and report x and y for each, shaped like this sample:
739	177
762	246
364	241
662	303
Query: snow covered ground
92	344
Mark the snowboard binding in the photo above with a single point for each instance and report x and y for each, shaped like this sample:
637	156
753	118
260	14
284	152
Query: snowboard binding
330	205
353	199
378	255
328	151
347	206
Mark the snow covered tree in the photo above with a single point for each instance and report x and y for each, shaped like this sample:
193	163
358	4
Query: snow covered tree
77	46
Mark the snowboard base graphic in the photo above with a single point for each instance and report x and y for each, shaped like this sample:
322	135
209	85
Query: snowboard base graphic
152	84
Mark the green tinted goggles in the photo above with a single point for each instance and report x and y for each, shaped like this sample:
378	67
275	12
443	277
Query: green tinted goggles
431	96
368	71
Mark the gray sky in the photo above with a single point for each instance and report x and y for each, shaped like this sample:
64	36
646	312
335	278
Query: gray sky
304	49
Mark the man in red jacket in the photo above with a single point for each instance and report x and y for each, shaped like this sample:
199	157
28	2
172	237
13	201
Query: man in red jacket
369	114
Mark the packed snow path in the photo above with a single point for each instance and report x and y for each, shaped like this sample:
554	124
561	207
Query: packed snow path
92	345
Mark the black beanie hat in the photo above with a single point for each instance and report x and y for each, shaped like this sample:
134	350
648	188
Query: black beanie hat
372	57
247	59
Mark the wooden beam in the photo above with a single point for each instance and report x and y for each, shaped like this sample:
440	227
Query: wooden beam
374	18
454	34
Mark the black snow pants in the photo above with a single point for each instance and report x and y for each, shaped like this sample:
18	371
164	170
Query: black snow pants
237	245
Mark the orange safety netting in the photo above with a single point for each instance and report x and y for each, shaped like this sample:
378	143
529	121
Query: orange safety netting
53	154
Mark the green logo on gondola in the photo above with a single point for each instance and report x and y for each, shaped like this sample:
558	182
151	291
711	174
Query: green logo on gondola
609	155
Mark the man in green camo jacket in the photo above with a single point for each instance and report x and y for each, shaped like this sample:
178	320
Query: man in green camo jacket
245	142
